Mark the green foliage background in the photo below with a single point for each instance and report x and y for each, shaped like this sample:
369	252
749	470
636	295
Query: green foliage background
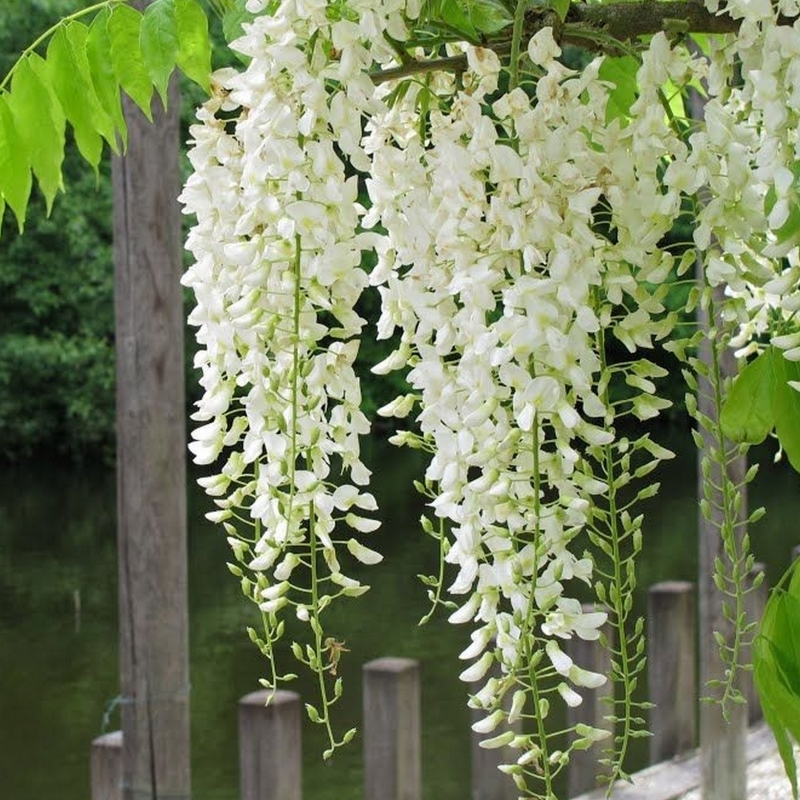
56	290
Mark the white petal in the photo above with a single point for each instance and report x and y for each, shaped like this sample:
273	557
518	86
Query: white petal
363	554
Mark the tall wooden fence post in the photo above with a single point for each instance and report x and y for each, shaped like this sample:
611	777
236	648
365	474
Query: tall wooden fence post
392	747
106	766
672	668
583	770
270	746
151	458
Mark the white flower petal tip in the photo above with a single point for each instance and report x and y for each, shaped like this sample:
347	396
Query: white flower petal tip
363	554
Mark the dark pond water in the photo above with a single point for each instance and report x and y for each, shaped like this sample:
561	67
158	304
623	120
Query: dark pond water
58	648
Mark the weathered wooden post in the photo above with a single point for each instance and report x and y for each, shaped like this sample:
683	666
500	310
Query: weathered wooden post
392	746
106	766
755	603
270	746
488	783
583	769
151	446
672	668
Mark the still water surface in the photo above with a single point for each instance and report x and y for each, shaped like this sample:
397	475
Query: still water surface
58	648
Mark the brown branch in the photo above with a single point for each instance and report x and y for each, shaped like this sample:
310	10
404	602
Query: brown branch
628	21
593	27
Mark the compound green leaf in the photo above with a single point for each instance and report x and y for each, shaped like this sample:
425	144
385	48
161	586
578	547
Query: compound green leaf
621	73
194	46
15	168
38	113
78	38
73	87
748	411
105	82
787	407
158	38
124	24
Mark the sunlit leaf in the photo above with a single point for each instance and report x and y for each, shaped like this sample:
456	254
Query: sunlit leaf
15	169
621	72
158	38
748	411
104	80
194	46
37	112
126	56
75	91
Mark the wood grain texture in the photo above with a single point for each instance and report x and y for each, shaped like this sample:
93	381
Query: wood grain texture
392	744
672	668
106	766
151	463
270	746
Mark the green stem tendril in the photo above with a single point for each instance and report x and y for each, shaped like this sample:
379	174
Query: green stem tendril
619	593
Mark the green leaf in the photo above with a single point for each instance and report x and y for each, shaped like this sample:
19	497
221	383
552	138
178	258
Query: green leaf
78	38
15	169
674	96
787	406
158	37
780	703
789	232
454	14
748	411
194	46
123	25
233	22
105	82
72	84
38	114
785	640
561	7
490	17
621	72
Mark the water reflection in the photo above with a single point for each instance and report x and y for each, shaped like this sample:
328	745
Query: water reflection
57	677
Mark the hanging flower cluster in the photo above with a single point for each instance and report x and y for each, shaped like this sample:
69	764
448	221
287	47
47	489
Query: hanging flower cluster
501	272
519	237
278	246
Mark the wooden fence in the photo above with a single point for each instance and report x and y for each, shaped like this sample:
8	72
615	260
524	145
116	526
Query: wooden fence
270	735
